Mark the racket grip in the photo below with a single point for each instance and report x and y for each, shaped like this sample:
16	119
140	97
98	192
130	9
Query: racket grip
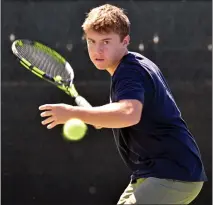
80	101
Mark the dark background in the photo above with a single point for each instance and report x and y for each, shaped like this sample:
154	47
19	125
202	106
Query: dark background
38	166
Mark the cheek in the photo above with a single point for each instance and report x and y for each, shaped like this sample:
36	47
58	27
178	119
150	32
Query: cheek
112	52
89	52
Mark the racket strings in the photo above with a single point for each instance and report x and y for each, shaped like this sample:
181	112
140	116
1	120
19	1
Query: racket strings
44	60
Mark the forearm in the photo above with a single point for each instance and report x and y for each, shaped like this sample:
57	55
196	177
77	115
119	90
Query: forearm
115	115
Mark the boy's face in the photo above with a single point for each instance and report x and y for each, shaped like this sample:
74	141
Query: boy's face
105	50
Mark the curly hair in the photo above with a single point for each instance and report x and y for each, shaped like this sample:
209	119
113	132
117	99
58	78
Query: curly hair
107	18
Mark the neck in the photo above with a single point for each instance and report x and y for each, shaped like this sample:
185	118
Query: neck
112	69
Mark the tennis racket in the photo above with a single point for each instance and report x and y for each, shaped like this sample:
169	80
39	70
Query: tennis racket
49	65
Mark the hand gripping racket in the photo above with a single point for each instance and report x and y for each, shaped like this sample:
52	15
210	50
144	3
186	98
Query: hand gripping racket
49	65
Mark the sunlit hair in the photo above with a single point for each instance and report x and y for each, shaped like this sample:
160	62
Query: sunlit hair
107	18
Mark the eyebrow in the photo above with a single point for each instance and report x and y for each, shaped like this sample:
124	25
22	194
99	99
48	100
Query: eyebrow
105	39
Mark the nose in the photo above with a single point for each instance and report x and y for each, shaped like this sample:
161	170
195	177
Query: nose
99	49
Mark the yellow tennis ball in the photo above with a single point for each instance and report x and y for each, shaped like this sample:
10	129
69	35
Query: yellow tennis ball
74	129
58	78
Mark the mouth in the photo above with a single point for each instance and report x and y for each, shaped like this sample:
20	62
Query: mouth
99	59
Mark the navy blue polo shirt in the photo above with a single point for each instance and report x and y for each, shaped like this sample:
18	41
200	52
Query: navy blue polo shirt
160	145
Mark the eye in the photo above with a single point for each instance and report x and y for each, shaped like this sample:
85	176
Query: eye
89	41
106	42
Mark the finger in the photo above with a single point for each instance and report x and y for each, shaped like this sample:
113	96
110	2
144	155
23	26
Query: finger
98	127
53	124
46	114
46	107
48	120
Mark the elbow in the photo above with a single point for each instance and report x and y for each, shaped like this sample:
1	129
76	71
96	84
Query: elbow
133	117
137	120
132	112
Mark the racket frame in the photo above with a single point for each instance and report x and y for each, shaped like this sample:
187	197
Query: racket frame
68	89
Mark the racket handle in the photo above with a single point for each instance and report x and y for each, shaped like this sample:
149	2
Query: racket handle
80	101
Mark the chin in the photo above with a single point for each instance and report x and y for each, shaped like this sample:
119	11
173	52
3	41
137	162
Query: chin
100	67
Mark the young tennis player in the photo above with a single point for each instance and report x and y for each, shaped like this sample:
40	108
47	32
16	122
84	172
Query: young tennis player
150	134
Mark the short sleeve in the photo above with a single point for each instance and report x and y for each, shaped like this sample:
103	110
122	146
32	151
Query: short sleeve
129	84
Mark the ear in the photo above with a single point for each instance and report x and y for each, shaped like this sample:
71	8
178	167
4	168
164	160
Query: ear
126	40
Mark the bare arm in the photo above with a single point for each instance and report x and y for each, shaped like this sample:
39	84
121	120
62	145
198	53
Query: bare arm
115	115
